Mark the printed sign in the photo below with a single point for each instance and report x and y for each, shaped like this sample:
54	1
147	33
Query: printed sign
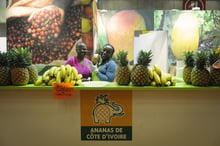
63	90
106	115
190	4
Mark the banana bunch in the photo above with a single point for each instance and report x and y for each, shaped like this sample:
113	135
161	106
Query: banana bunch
159	78
63	73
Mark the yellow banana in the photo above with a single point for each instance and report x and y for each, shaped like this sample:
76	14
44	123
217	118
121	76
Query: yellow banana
74	73
58	78
56	71
153	83
150	72
163	78
78	82
62	71
51	82
157	69
168	83
168	76
157	78
46	76
38	82
46	73
68	68
67	78
79	77
73	82
51	71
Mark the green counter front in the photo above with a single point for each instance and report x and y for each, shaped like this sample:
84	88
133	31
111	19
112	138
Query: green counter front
180	115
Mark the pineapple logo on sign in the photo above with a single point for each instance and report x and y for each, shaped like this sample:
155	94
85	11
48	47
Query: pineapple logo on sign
104	110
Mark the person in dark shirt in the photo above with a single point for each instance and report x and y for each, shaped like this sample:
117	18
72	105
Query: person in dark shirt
106	69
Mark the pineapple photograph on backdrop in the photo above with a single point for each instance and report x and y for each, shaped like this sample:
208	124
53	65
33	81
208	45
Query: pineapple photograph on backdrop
192	44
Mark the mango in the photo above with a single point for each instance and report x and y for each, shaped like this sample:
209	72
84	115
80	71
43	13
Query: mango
120	30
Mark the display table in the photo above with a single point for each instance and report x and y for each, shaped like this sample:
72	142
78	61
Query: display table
180	115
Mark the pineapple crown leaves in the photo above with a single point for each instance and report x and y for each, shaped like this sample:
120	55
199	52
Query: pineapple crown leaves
214	55
4	59
144	58
201	59
102	99
121	58
20	57
189	58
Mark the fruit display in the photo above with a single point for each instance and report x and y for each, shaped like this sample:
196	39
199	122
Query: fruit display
59	74
4	69
201	68
22	70
189	64
139	73
123	73
200	75
159	78
184	36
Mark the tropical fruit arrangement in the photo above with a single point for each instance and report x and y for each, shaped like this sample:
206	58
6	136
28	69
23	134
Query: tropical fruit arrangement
202	68
59	74
16	67
159	78
141	74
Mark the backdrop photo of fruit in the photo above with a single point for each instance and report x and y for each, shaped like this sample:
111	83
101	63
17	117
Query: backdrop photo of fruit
50	31
117	28
186	31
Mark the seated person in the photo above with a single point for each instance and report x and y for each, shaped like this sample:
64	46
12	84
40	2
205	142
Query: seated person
106	69
80	62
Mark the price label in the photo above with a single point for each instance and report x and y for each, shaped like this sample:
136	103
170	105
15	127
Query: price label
63	90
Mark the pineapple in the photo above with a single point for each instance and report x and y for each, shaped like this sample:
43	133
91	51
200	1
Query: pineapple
214	73
20	60
123	73
33	74
200	75
189	64
4	69
139	73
